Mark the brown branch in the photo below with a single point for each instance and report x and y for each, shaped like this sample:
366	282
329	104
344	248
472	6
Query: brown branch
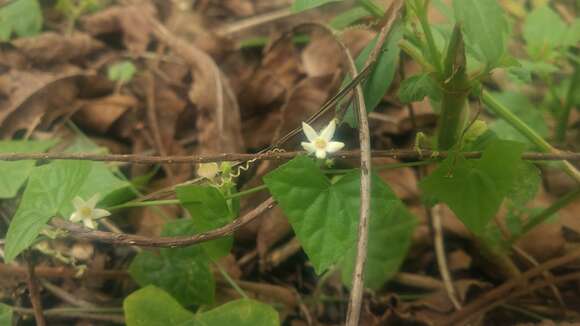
79	232
500	292
34	294
58	272
403	154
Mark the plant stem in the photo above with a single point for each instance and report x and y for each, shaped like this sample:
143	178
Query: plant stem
433	52
177	202
551	210
229	279
568	104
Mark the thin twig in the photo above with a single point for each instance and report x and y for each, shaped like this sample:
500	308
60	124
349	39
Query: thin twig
495	295
59	272
35	294
79	313
356	294
402	154
79	232
435	217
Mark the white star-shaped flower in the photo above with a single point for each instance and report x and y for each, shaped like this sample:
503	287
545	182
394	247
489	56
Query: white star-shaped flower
321	144
86	212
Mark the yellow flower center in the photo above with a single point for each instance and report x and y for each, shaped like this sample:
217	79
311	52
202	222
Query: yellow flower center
85	211
320	143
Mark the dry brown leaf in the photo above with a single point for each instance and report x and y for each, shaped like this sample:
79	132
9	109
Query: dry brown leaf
131	21
32	94
403	181
273	228
322	56
50	47
100	114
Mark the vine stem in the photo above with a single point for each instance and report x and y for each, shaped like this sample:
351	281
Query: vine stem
402	154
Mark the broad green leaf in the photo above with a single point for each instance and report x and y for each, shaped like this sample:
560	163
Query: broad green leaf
301	5
49	188
544	31
5	315
475	189
151	306
415	88
209	210
20	17
390	232
520	105
316	209
14	174
382	74
183	272
121	71
485	27
243	312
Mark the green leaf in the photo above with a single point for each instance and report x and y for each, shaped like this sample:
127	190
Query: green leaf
415	88
348	17
485	27
324	216
151	306
5	315
474	189
49	188
521	106
243	312
121	71
316	209
390	234
544	31
21	17
382	74
14	174
301	5
209	210
183	272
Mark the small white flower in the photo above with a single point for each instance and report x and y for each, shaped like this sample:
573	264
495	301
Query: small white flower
322	143
208	170
86	212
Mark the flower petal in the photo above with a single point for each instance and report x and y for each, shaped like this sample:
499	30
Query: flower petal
78	202
75	217
93	201
309	132
328	132
89	223
334	146
321	154
309	147
99	212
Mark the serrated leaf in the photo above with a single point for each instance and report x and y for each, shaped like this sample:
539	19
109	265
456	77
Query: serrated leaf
5	315
49	188
382	74
474	189
20	17
151	306
543	31
183	272
14	174
485	27
415	88
243	312
121	71
520	105
209	210
390	233
301	5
